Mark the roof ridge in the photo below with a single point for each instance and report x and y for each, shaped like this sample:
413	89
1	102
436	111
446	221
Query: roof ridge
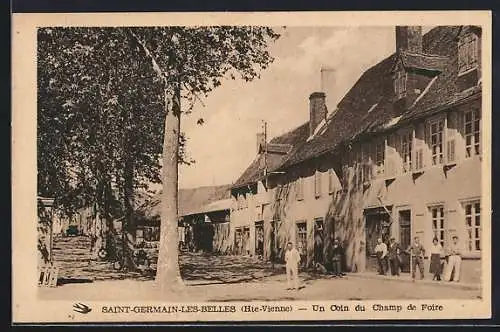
289	131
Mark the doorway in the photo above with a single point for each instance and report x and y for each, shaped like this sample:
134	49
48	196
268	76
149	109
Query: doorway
301	236
405	238
259	239
238	241
377	225
319	240
246	241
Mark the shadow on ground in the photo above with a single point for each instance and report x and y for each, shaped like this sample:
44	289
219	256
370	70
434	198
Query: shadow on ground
72	254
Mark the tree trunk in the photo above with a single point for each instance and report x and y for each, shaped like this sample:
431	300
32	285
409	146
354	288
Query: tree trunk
168	276
129	222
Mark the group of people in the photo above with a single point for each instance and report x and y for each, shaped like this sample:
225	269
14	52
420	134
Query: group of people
443	262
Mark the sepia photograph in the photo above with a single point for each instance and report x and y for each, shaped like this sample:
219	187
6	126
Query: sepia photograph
240	170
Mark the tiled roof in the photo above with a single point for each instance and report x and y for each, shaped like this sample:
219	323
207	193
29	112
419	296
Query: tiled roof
275	155
368	106
191	200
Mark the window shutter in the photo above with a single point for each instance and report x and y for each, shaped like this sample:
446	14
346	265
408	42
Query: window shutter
419	159
404	78
330	181
461	55
317	184
450	153
475	48
395	84
299	189
389	157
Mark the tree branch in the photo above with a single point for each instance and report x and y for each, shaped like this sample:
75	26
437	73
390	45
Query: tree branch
154	63
190	89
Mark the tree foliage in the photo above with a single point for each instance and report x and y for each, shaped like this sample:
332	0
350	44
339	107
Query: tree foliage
104	95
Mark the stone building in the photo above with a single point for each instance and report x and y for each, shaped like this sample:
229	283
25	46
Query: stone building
399	157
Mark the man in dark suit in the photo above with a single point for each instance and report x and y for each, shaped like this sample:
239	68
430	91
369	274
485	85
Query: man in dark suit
337	253
394	251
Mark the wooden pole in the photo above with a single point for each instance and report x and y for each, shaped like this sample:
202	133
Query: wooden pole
266	184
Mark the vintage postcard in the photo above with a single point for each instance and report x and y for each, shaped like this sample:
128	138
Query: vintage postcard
251	166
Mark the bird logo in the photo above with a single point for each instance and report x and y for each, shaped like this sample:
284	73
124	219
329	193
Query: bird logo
81	308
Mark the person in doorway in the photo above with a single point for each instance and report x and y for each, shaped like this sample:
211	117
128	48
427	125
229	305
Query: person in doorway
436	252
337	259
454	261
302	253
381	252
394	257
343	262
292	260
417	252
318	248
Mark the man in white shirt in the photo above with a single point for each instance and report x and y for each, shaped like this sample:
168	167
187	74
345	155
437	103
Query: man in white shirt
292	260
381	252
454	261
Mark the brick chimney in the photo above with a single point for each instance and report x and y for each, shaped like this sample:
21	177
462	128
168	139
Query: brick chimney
329	87
317	110
409	38
260	141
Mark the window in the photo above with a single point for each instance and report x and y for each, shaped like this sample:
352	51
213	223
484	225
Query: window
473	225
468	53
331	179
472	133
438	229
366	169
301	237
238	241
139	235
379	157
358	158
299	187
151	233
317	184
400	84
406	150
436	132
259	209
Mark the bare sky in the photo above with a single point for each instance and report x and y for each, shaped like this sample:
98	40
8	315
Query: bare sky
225	145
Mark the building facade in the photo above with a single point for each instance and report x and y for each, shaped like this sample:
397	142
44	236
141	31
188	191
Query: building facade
399	157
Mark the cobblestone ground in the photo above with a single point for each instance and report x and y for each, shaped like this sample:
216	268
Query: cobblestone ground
72	254
227	278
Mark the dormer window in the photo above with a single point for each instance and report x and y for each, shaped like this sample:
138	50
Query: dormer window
400	84
468	53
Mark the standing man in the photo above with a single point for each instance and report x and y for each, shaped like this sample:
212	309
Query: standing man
337	259
394	257
343	263
292	260
454	261
417	251
381	252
